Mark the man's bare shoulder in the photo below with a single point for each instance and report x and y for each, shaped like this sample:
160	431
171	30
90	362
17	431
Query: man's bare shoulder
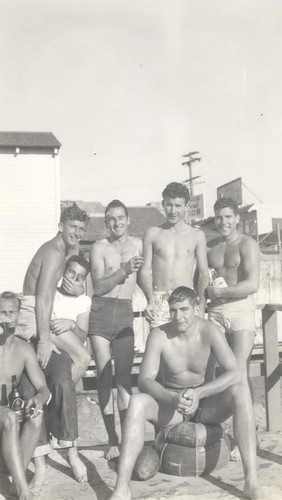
208	329
247	241
49	249
22	347
153	231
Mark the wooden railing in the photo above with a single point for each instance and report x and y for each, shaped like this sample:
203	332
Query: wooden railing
272	371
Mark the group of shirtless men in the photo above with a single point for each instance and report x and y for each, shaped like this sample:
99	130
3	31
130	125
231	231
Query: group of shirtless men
176	379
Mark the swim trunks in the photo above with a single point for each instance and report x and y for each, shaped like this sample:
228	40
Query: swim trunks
111	317
234	315
26	327
161	308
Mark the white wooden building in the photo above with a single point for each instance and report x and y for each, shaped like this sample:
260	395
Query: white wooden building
29	200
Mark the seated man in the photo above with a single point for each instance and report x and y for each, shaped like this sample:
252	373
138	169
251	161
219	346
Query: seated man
70	317
17	356
181	350
69	325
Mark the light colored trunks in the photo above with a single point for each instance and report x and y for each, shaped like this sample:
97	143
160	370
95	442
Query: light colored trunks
26	327
234	315
161	308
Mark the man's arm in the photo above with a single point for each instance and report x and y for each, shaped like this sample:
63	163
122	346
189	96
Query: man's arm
79	327
104	284
145	274
250	263
202	271
150	367
36	378
46	288
226	360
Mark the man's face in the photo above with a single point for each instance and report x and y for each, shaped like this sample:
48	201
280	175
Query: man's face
116	221
9	313
74	272
175	209
183	315
226	221
72	232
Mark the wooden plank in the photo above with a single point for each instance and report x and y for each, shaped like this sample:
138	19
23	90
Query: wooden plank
272	370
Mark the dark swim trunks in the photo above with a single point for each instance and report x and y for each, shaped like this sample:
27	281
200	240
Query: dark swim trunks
111	317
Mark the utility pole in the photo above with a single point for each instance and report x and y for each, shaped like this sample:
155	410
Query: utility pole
189	162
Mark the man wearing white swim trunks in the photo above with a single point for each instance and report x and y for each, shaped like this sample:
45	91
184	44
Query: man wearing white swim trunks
170	254
235	259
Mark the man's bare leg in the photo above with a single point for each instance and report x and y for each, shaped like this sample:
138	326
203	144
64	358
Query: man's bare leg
216	409
241	343
78	467
102	354
39	478
123	353
12	452
29	437
142	408
72	345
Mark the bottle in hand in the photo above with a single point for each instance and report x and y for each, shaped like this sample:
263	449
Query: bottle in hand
16	402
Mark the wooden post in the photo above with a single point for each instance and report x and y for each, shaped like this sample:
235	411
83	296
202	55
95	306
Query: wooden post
272	367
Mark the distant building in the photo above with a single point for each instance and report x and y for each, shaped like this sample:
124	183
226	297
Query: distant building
30	200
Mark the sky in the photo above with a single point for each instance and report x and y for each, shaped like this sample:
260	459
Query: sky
129	87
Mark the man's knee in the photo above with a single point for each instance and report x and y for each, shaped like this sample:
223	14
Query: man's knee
84	359
35	423
11	422
139	404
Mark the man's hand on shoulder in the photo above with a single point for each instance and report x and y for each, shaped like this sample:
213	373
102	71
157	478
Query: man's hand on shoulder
44	351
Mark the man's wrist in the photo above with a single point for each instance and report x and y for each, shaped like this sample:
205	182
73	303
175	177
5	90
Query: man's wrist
73	325
123	271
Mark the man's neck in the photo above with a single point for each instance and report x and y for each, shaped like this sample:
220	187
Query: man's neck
61	245
231	238
179	226
119	241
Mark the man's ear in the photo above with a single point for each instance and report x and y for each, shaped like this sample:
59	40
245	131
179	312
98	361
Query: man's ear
197	310
60	227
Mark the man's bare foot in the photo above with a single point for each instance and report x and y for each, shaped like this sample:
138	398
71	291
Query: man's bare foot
112	453
39	478
253	491
78	467
21	494
121	494
25	495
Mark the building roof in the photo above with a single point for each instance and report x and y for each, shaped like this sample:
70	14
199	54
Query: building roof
140	219
29	140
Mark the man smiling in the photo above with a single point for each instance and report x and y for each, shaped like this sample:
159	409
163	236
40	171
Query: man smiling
114	262
170	254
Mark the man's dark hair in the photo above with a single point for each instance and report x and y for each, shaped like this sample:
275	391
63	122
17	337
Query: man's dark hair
176	190
74	213
10	296
80	260
226	203
182	293
116	204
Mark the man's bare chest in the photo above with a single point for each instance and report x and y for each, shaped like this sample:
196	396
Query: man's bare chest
176	245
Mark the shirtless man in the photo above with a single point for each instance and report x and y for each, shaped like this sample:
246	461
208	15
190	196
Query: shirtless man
44	272
17	356
114	263
181	349
235	258
40	285
170	254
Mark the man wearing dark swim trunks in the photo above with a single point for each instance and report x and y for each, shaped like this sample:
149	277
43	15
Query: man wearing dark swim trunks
114	262
181	350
